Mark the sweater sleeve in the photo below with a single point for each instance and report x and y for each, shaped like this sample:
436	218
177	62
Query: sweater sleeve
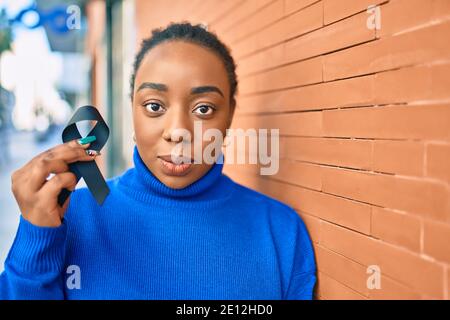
34	266
303	275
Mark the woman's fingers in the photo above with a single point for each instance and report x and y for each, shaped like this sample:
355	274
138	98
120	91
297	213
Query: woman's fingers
69	152
56	160
36	196
53	186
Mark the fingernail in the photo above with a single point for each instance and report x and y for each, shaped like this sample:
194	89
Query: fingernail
86	140
91	152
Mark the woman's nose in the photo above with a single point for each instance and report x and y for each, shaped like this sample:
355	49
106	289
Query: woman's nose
178	126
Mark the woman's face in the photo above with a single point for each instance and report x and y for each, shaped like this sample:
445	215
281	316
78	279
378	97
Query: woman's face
177	85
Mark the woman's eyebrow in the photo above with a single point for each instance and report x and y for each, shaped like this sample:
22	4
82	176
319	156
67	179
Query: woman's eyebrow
153	85
202	89
195	90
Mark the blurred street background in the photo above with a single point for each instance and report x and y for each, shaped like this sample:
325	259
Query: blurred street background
43	75
55	56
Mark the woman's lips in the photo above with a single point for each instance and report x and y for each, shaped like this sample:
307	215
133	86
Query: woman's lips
180	167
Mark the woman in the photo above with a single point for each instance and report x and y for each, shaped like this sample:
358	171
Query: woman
169	229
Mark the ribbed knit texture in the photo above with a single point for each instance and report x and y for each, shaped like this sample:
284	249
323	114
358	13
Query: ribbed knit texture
214	239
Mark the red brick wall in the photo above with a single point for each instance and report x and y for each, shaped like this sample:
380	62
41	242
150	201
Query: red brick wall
364	118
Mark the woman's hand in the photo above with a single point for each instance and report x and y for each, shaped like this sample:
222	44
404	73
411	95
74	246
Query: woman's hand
36	196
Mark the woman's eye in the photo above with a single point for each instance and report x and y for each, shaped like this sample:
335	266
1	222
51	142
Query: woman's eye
154	107
204	110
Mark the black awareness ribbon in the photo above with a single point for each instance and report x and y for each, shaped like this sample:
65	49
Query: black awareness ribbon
88	170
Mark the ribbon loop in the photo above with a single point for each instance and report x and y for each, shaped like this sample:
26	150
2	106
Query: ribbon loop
88	170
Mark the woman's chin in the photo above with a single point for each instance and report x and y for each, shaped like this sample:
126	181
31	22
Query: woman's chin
176	181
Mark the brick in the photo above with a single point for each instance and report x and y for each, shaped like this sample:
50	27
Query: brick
219	11
412	84
243	49
340	35
360	60
407	268
331	289
292	124
417	47
393	290
291	6
206	11
404	85
438	161
348	213
401	15
299	173
396	228
237	14
346	33
440	77
348	272
248	85
260	61
448	284
344	93
400	157
303	21
292	172
389	122
339	152
436	240
244	122
420	197
338	9
259	14
312	224
302	73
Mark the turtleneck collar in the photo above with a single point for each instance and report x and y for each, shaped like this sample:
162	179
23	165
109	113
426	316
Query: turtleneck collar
212	188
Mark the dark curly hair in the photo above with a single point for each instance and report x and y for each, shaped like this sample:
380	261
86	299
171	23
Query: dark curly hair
196	34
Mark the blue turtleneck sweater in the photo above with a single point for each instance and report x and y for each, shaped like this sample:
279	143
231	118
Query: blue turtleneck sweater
214	239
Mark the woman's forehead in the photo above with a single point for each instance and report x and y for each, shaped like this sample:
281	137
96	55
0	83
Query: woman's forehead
176	61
